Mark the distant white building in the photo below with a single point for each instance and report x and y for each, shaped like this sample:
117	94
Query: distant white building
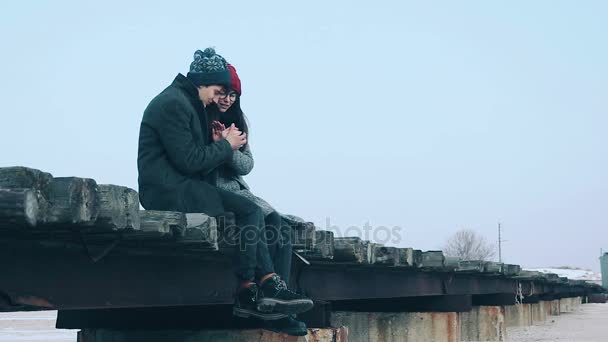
604	263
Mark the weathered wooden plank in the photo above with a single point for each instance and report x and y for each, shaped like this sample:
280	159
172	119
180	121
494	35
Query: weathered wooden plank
511	270
199	228
19	177
470	266
118	208
18	207
350	249
418	257
492	267
452	262
369	251
303	233
529	275
410	257
551	277
433	259
324	246
227	231
16	177
407	257
386	256
174	232
162	221
73	200
579	282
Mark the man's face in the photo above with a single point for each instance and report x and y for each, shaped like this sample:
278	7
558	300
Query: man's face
209	94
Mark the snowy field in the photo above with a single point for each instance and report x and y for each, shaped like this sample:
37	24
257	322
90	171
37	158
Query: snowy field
33	326
571	273
587	324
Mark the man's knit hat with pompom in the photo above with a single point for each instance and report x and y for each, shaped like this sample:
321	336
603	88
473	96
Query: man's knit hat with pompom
209	68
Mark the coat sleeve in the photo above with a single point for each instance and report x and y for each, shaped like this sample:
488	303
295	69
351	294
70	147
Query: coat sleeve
242	161
185	154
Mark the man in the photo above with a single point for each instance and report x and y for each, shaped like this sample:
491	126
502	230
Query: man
176	163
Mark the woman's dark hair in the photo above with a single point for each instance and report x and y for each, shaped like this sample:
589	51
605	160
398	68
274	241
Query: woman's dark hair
234	115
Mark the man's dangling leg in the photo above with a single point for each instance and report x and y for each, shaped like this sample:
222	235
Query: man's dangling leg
278	237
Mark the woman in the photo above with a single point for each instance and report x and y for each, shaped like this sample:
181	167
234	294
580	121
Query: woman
228	113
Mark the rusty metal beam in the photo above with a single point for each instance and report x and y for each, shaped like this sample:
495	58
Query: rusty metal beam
450	303
179	317
494	299
357	282
68	278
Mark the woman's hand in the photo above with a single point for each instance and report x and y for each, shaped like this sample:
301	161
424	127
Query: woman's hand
235	137
232	127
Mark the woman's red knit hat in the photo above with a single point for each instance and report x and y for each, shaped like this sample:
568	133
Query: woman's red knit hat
235	81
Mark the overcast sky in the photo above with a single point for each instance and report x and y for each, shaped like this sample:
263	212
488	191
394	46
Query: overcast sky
431	116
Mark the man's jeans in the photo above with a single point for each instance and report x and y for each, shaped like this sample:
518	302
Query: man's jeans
278	236
254	259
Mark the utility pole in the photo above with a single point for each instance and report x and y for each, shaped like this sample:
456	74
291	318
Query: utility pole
499	244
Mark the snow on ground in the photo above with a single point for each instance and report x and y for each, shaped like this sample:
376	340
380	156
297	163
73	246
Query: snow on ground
571	273
33	326
586	324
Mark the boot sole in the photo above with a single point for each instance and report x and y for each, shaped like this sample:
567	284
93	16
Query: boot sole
244	313
289	307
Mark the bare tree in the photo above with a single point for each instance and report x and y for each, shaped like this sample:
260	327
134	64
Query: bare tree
466	244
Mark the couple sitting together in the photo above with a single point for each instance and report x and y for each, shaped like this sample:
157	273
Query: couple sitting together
193	152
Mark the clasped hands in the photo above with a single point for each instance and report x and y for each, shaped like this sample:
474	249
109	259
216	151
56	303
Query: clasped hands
232	134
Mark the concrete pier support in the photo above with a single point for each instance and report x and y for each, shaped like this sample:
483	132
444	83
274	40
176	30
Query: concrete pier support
519	315
483	323
522	315
314	335
552	307
539	315
569	304
399	327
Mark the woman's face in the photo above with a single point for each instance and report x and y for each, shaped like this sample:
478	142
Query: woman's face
224	102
